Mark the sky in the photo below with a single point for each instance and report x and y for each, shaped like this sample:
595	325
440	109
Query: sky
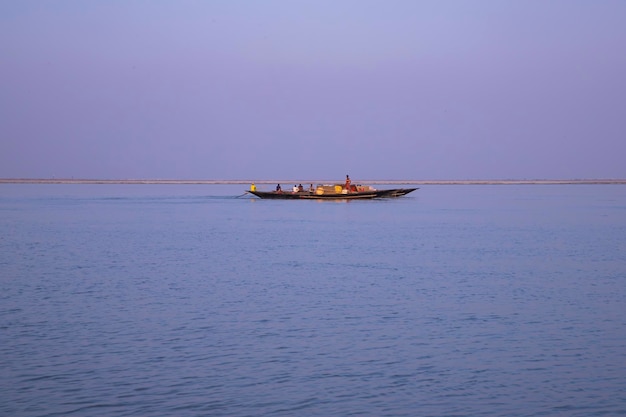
313	89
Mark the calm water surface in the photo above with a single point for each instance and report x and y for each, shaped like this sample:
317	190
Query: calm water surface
149	300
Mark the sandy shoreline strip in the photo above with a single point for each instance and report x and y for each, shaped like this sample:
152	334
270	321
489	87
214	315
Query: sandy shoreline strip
292	181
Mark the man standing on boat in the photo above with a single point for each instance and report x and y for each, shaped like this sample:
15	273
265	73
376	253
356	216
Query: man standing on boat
348	182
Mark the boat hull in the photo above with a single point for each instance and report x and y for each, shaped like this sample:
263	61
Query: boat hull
356	195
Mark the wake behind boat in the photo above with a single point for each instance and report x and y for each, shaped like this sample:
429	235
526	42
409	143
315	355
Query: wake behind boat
346	191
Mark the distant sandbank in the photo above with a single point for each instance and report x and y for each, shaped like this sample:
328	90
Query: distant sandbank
290	181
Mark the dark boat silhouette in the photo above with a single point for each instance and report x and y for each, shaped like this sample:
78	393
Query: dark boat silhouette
333	192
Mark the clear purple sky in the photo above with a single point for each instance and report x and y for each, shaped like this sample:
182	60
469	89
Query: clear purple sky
385	89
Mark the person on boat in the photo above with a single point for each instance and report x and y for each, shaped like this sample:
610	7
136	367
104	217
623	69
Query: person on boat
278	189
300	188
348	182
295	188
311	189
252	187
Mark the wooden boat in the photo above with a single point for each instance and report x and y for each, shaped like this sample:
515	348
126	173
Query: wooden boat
333	192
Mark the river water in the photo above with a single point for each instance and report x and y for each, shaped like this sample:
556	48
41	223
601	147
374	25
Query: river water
191	300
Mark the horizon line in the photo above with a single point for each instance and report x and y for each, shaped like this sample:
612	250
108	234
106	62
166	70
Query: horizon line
308	181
